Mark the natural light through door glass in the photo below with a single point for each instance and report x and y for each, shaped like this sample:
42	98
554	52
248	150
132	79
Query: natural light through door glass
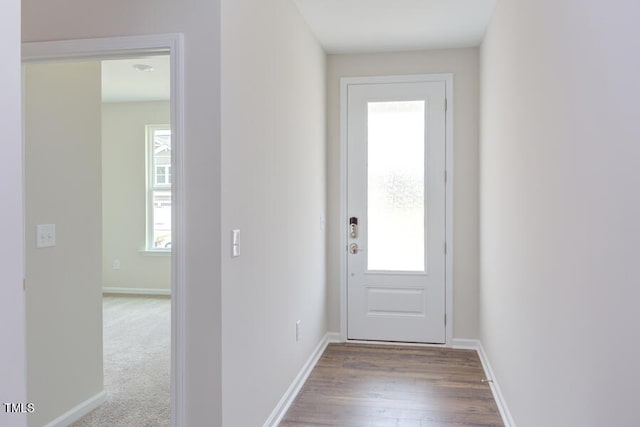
395	182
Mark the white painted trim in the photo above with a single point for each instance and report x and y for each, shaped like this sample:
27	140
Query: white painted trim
135	291
97	48
115	47
334	337
79	411
449	190
470	344
495	388
158	253
344	161
397	343
408	78
449	141
289	396
465	344
178	260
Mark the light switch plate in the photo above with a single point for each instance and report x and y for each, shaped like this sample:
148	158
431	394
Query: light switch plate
235	243
45	235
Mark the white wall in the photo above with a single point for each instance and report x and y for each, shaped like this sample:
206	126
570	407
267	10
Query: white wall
273	191
62	187
12	314
463	63
560	164
123	197
200	23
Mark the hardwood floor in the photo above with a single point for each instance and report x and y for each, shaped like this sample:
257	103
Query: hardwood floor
378	385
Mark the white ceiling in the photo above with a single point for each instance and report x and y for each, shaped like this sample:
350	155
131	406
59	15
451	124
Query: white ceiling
354	26
121	82
341	26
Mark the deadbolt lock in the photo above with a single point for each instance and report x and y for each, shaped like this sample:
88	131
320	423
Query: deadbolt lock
353	227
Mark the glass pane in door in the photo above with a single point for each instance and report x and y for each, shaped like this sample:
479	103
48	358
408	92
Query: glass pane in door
396	186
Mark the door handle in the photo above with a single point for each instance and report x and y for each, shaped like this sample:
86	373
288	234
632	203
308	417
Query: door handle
353	248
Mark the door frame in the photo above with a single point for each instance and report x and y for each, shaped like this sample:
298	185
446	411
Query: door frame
345	82
119	47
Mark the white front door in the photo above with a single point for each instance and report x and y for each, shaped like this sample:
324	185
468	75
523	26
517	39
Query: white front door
396	211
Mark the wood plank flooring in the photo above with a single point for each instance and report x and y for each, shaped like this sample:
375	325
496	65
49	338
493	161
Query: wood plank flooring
356	385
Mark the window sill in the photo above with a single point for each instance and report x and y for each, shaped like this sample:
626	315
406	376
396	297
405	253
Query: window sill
146	252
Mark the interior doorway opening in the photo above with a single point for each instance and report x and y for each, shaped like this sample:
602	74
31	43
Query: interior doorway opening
64	182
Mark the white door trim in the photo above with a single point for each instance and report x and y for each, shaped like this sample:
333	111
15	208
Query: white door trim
344	83
135	45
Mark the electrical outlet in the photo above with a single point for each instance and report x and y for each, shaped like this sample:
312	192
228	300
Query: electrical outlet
298	330
116	264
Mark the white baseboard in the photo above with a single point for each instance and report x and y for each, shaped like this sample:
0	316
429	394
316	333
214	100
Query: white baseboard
79	411
465	344
495	388
293	390
476	345
136	291
333	337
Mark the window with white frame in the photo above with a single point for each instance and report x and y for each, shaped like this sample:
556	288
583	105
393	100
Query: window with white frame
158	188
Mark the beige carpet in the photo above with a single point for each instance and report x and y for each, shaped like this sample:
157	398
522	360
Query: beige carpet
137	336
